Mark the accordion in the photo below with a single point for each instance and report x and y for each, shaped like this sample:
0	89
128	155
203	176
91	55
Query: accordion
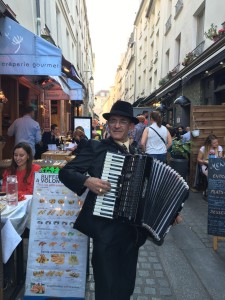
144	192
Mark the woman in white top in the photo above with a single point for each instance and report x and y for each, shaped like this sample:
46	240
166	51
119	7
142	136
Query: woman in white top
156	138
211	148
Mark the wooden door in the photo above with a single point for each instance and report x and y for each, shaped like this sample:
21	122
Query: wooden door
210	119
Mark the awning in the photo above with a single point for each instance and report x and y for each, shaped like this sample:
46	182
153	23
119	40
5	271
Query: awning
176	84
22	52
147	99
70	71
64	86
135	104
76	90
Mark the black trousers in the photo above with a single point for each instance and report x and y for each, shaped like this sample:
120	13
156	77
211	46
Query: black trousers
114	267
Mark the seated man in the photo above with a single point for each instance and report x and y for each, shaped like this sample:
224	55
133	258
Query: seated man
50	137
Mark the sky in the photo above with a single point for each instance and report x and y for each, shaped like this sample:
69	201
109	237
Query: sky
110	24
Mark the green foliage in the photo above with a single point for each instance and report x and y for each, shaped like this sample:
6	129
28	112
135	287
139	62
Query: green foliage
212	32
180	150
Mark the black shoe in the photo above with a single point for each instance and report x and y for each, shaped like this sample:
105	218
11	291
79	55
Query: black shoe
204	196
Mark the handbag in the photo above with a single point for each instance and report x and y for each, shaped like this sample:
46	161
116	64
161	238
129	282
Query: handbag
195	132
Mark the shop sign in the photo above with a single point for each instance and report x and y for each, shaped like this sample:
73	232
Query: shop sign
56	95
22	52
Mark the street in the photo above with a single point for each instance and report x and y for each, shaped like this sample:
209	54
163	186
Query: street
185	267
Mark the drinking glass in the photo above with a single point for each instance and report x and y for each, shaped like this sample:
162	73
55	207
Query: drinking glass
12	190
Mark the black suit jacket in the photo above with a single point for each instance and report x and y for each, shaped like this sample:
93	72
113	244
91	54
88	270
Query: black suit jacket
48	138
90	162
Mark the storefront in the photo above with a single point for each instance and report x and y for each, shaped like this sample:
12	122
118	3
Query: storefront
25	60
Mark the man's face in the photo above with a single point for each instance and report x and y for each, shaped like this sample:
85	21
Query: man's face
55	131
119	127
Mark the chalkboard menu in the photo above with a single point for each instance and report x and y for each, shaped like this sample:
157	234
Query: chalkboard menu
57	253
216	197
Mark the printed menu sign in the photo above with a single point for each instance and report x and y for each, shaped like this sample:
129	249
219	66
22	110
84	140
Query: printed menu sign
216	197
57	253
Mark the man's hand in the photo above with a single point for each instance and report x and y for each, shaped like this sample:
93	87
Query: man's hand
97	186
178	220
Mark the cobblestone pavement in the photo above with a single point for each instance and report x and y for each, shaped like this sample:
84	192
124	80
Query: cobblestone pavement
185	267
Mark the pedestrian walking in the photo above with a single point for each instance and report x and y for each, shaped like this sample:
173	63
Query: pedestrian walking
138	131
156	138
26	129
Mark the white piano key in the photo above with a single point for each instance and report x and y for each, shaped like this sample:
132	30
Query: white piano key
104	203
100	214
104	209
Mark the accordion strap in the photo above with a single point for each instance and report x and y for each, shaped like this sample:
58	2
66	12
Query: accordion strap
158	135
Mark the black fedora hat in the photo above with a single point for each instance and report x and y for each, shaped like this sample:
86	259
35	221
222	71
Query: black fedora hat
121	108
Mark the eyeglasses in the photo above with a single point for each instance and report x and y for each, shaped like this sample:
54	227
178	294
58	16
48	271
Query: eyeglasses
120	122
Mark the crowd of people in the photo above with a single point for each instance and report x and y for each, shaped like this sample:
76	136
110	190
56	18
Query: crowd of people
115	244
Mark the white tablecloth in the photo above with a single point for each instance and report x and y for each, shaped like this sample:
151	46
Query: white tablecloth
15	220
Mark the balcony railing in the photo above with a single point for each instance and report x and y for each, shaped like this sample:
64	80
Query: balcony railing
199	49
190	56
168	24
153	28
156	57
151	65
178	7
158	17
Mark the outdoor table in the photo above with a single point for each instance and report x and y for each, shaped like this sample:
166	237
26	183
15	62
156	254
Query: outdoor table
14	220
56	154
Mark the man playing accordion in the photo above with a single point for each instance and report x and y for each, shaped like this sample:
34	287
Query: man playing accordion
115	244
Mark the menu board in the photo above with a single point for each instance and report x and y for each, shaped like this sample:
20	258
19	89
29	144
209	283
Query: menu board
57	253
216	197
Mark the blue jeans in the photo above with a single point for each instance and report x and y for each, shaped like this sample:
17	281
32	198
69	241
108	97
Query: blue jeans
160	157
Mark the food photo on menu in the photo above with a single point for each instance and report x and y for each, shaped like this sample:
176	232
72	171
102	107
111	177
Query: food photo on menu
57	253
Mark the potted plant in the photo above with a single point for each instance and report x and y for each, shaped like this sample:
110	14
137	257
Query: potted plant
212	33
189	57
180	150
179	159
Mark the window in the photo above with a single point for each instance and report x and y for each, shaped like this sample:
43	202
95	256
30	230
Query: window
177	49
200	27
58	27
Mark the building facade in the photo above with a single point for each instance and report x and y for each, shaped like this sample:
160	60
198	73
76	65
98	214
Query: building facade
57	98
176	64
168	41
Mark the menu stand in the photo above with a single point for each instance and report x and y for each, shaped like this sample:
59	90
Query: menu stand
216	200
215	241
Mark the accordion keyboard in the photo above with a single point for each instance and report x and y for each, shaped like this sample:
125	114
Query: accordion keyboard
105	204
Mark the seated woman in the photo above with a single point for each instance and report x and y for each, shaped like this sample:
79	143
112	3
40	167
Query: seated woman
23	167
80	139
212	147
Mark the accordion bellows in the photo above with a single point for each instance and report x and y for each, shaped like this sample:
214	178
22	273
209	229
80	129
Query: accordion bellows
144	192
